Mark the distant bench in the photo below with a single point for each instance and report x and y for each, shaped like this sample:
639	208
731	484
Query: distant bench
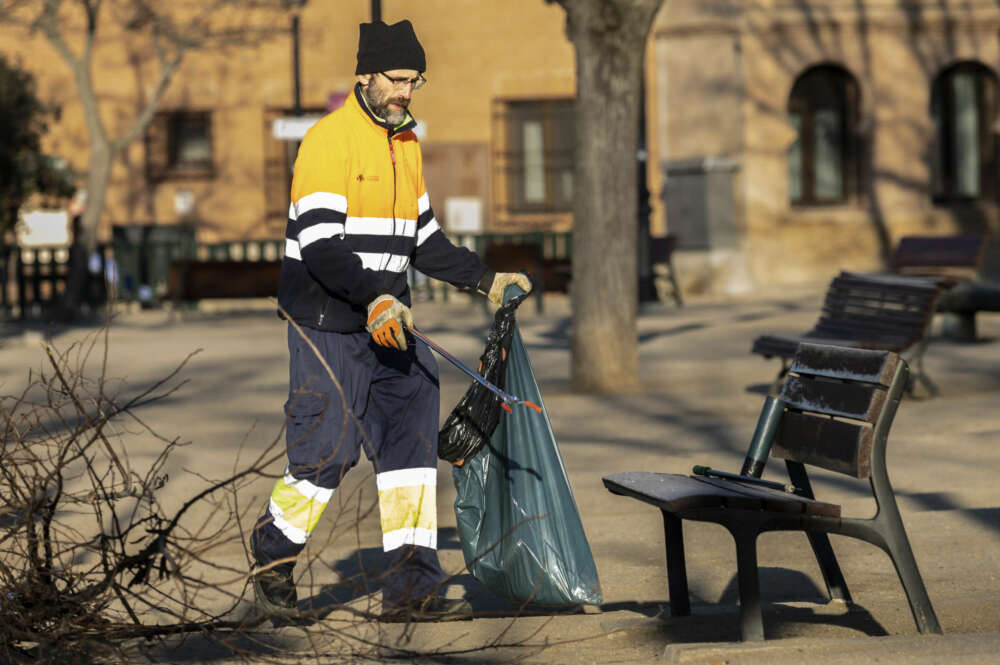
556	274
191	280
955	261
546	274
866	311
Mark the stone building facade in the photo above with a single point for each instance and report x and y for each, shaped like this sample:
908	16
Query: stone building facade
801	138
785	140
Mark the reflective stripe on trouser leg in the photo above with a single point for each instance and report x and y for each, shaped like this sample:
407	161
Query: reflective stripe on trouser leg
296	506
322	438
407	501
404	403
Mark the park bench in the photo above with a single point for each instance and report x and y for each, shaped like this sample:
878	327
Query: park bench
834	412
955	261
191	280
517	257
661	255
867	311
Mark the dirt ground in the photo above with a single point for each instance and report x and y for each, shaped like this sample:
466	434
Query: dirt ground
701	393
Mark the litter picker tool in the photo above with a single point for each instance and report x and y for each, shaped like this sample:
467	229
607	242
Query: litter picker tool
760	448
699	470
507	399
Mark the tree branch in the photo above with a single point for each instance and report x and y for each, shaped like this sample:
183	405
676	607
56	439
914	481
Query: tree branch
141	121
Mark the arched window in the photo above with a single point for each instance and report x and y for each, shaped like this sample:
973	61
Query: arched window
963	159
822	163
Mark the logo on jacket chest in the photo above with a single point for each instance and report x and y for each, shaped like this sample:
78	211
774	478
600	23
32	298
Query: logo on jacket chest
367	178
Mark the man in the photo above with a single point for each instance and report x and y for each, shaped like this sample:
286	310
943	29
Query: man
360	215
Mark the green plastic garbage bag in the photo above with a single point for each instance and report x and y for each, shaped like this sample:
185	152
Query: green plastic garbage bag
518	523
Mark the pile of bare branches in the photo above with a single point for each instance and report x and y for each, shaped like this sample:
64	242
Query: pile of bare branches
95	566
99	563
84	542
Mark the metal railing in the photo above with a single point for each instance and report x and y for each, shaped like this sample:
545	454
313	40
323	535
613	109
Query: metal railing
136	266
141	261
33	280
555	245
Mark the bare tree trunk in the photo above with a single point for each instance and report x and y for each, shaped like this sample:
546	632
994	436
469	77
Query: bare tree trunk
85	241
610	41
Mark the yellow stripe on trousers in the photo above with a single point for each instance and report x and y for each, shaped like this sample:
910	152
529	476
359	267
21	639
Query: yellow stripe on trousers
409	516
295	514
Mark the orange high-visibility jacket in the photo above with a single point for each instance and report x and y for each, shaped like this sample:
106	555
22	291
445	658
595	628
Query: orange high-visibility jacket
359	217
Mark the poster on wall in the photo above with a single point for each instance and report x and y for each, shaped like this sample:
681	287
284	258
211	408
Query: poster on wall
43	227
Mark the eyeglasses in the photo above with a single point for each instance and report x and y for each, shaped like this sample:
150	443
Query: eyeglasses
402	81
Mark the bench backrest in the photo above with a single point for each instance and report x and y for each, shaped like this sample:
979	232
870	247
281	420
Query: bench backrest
193	280
512	257
957	256
839	405
878	311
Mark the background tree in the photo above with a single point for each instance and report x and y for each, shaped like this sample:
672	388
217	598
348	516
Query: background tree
610	41
167	31
24	170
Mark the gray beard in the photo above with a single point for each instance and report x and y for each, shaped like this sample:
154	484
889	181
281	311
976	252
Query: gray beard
380	105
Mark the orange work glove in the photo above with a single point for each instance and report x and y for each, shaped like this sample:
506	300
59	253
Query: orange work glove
386	319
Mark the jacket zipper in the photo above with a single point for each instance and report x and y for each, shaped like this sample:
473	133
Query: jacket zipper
392	157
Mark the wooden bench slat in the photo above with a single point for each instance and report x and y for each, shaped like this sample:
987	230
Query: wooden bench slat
888	322
855	329
855	365
959	251
784	346
892	285
868	325
865	280
838	302
879	301
861	339
686	494
845	400
676	492
776	500
834	303
832	444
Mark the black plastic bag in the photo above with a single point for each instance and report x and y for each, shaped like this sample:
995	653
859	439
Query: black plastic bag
518	523
471	423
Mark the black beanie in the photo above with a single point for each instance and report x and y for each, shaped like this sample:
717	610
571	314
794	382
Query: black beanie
383	47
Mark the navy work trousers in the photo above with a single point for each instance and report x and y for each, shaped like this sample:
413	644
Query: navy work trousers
386	402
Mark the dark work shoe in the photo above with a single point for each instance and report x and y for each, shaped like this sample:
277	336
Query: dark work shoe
275	591
429	608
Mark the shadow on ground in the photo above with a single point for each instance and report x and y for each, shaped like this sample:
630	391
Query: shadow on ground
360	576
720	622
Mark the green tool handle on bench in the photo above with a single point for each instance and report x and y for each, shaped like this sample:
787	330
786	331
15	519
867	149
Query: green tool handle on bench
700	470
763	437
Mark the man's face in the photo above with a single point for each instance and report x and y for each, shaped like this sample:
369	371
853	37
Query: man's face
389	100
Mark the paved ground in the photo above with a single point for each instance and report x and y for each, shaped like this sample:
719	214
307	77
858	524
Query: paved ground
701	394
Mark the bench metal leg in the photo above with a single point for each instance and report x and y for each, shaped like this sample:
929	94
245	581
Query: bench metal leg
918	374
889	525
836	585
680	602
751	617
958	326
671	275
916	593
